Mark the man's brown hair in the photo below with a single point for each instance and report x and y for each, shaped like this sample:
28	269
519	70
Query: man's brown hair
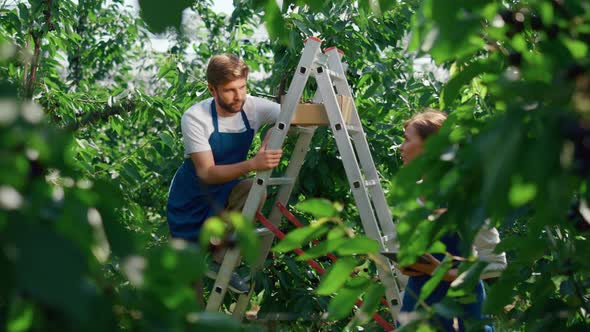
225	68
427	122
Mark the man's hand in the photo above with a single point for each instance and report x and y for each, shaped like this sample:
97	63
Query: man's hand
266	159
427	268
411	273
421	268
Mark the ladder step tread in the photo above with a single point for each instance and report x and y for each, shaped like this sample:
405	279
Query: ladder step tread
372	182
262	231
389	237
354	129
335	75
296	129
280	181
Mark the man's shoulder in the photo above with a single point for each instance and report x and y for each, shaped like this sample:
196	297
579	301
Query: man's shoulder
254	102
198	110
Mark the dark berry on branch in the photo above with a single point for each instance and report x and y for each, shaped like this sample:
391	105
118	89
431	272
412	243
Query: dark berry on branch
231	241
515	59
36	170
518	26
552	31
507	16
574	71
582	225
536	23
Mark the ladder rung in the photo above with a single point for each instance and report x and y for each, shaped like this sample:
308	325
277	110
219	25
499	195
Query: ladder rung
280	181
370	183
334	74
389	237
301	129
262	231
353	129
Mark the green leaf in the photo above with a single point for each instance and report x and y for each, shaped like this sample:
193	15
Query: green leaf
130	169
386	5
467	280
547	14
294	267
499	295
167	139
316	5
436	278
455	84
210	321
341	305
336	233
358	282
296	238
522	193
213	227
372	299
336	276
247	238
425	328
275	23
578	48
169	272
21	316
322	248
159	17
62	265
360	244
319	208
448	308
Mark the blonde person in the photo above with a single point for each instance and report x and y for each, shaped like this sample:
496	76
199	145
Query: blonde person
416	132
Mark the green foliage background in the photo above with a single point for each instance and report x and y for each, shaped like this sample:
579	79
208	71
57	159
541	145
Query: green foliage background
91	139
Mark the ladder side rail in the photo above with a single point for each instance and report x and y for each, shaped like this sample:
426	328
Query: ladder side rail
348	156
279	131
295	163
365	156
366	159
277	137
357	185
230	260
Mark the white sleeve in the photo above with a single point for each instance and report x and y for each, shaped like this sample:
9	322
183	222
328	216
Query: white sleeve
485	244
267	111
194	134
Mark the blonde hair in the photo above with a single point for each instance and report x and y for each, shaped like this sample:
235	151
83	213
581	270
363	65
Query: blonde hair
224	68
427	122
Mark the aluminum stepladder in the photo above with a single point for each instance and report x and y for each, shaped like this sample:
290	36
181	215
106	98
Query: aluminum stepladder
362	175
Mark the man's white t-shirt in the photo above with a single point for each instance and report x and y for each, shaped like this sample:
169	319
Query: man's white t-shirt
197	123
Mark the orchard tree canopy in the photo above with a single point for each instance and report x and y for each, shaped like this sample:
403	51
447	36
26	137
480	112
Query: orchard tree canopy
90	126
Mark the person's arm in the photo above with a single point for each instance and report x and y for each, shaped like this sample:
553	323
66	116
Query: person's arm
485	245
210	173
196	134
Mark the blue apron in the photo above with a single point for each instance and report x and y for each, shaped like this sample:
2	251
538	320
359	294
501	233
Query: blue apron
190	200
471	310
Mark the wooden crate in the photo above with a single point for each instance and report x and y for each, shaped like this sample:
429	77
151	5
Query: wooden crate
315	114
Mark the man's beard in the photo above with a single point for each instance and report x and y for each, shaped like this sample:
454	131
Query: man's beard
228	107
